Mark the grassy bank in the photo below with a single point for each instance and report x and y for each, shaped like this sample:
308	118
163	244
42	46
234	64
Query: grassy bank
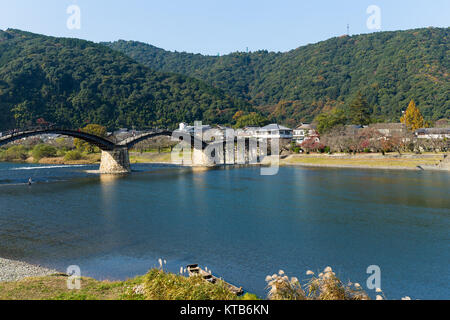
93	158
155	285
393	160
365	161
48	154
159	285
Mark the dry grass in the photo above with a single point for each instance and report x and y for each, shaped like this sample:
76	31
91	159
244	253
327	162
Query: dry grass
150	157
326	286
55	288
402	162
90	159
163	286
155	285
159	285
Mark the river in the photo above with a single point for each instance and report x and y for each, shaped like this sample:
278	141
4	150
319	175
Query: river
239	224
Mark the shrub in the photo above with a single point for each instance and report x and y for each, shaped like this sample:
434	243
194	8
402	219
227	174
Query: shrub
159	285
73	155
43	151
16	153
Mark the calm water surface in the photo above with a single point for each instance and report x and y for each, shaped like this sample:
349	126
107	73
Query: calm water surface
239	224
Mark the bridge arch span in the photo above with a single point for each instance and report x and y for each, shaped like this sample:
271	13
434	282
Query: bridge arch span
102	143
131	142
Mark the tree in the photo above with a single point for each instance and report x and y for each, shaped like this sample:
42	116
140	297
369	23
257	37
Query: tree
412	118
328	120
238	114
43	151
84	146
311	144
252	119
359	111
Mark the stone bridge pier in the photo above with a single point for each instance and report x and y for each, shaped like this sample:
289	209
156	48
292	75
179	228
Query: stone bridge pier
116	161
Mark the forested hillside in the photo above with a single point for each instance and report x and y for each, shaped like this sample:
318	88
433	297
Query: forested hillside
74	82
388	68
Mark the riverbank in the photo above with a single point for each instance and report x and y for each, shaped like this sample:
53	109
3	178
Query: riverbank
135	157
160	285
151	157
24	281
93	159
428	161
394	161
367	161
11	270
391	161
21	281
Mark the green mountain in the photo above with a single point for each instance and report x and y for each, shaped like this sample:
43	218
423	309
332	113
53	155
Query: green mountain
389	68
73	82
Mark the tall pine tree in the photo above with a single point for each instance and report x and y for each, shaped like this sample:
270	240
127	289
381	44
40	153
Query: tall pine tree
359	111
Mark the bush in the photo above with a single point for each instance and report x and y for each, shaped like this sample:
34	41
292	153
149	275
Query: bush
73	155
159	285
15	153
43	151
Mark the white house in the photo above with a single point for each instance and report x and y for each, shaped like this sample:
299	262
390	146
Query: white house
191	129
433	133
274	131
247	132
390	129
304	131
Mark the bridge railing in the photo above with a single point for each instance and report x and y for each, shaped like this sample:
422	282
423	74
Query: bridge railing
134	136
40	128
19	131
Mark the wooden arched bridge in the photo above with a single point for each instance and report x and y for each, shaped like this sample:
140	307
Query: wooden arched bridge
115	157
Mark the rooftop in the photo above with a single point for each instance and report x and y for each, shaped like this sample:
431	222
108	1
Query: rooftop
433	131
305	126
388	126
275	126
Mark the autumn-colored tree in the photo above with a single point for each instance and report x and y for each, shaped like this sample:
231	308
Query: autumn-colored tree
84	146
412	118
312	144
238	114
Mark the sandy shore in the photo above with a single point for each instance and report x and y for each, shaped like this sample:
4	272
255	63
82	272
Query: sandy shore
11	270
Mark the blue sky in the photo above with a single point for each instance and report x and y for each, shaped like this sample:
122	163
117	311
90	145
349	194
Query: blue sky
212	27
